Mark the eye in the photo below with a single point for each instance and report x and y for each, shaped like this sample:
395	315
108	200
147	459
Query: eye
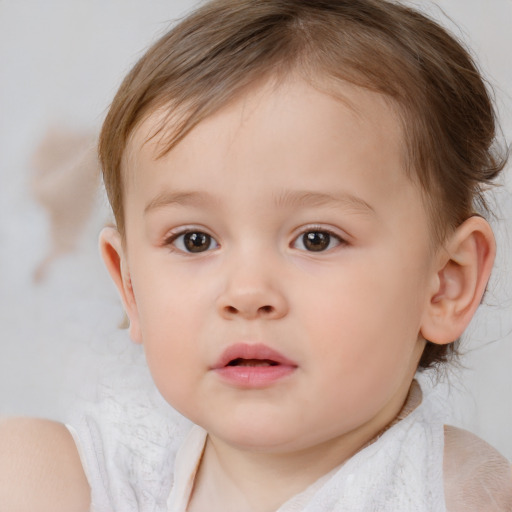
317	240
193	242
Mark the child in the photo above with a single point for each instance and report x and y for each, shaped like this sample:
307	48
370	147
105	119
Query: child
294	185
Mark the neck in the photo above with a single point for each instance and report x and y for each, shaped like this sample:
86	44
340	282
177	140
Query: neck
234	479
231	479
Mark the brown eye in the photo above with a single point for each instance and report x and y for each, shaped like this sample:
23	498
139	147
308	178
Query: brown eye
197	242
193	242
316	240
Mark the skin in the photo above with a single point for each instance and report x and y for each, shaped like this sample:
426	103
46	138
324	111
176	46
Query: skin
353	316
284	161
40	470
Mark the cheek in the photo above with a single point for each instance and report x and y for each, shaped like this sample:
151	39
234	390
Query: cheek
173	356
369	315
364	340
169	321
167	298
175	317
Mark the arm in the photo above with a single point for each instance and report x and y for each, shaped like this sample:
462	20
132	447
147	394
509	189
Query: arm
40	470
477	477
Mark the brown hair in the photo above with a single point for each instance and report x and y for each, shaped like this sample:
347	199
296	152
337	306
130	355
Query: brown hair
226	45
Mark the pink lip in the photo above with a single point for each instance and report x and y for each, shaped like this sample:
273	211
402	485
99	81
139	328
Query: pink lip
275	366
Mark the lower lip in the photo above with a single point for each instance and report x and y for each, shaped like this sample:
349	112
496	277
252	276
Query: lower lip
254	376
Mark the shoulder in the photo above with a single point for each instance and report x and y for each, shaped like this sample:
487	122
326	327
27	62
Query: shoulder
40	469
477	477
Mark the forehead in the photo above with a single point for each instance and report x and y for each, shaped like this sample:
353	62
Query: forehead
372	117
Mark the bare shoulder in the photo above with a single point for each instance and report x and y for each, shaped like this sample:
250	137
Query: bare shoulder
40	470
477	477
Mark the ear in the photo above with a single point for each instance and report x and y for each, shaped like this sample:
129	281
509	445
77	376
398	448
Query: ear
463	269
113	253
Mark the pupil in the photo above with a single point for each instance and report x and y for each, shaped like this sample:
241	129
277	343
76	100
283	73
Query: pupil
197	242
316	240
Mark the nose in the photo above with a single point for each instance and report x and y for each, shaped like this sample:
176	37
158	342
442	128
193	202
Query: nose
250	293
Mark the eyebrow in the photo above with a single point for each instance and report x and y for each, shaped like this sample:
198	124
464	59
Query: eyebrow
336	199
180	198
286	199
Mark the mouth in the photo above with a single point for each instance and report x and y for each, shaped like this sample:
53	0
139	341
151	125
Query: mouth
253	366
240	361
251	355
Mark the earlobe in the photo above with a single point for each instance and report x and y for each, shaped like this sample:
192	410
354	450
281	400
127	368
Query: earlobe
113	254
464	266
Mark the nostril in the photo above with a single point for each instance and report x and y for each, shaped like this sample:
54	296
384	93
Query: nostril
249	311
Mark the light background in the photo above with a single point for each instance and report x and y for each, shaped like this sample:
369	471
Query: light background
60	63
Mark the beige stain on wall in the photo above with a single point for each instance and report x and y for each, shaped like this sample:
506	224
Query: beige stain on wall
65	182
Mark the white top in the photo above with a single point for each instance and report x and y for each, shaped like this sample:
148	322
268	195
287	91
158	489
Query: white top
139	455
186	465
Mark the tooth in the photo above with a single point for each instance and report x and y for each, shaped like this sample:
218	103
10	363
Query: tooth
252	362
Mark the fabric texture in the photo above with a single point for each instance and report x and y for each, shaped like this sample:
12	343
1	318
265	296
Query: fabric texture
141	456
128	437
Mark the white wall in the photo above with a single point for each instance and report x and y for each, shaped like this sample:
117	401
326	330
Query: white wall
60	63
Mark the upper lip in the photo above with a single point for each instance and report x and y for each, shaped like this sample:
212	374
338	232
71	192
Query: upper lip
251	351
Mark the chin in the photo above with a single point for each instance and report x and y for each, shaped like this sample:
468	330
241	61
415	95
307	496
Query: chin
262	436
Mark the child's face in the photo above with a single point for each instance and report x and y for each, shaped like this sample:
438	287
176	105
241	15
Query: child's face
285	221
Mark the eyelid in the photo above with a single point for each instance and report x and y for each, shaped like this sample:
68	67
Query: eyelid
327	228
342	238
171	237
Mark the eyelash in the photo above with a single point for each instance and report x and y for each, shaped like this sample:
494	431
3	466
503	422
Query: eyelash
319	230
329	235
174	237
